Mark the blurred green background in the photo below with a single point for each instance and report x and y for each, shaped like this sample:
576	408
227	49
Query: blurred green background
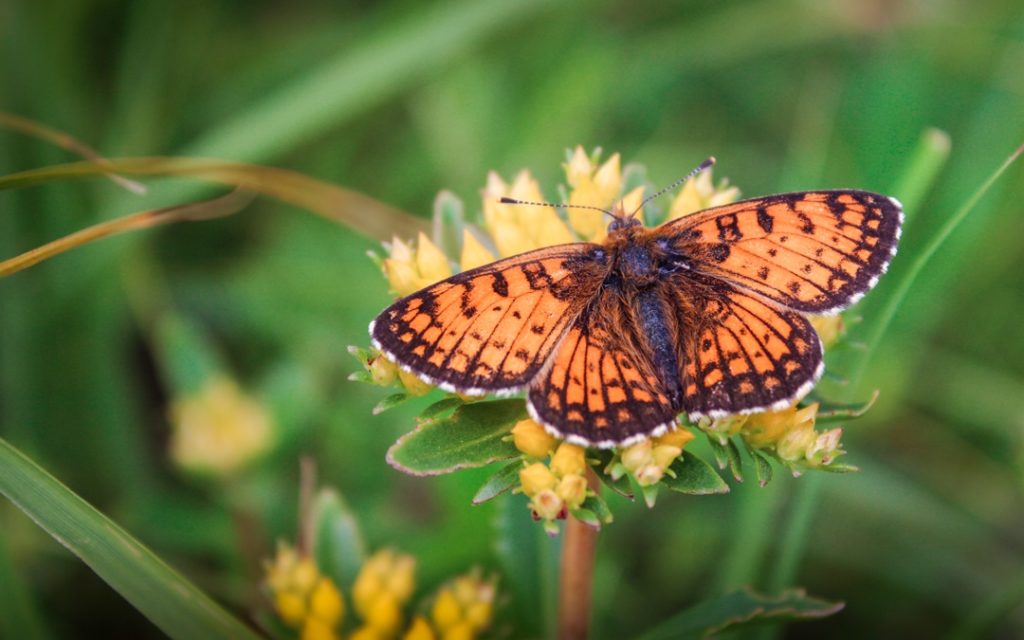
399	100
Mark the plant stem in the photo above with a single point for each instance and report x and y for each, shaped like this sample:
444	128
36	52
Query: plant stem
577	572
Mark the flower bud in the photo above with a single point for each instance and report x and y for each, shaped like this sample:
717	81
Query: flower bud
573	490
474	254
568	459
413	384
547	505
326	603
537	477
678	437
649	474
419	630
532	439
637	455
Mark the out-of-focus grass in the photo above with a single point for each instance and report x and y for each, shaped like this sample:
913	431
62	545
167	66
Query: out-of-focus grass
399	102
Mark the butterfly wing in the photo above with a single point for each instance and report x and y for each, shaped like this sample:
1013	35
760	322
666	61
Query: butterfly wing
816	252
602	389
493	328
743	353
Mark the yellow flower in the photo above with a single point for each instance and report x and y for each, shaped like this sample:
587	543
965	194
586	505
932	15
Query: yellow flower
408	270
474	254
699	193
531	438
547	505
383	371
572	489
464	607
303	598
384	584
536	478
595	187
413	384
649	460
766	428
568	460
219	429
519	228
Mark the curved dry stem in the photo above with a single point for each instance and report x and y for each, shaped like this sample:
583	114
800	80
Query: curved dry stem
204	210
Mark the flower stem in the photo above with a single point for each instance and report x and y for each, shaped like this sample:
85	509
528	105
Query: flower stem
577	572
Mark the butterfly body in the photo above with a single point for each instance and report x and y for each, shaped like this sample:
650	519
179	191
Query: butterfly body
611	341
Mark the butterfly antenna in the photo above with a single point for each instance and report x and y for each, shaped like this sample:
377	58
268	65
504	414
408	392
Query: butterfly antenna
701	167
505	200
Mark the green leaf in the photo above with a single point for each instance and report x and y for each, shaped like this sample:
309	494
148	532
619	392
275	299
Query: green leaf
391	401
735	461
695	477
338	545
529	566
504	480
738	609
441	407
718	448
620	485
473	436
597	505
166	598
762	466
839	468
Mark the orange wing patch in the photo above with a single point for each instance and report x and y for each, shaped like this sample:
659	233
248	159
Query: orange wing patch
746	355
815	252
601	389
492	328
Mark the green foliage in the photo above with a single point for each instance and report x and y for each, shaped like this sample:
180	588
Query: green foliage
166	598
739	609
472	436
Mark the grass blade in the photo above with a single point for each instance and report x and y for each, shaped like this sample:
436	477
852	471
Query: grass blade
167	599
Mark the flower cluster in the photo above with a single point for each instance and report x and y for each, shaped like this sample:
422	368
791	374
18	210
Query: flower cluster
310	602
557	488
303	598
219	429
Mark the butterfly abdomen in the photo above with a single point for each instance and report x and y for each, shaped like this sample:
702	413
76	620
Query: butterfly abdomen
659	333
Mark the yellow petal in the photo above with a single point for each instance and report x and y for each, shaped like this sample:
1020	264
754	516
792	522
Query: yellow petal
419	630
531	438
580	168
446	611
474	254
431	261
326	603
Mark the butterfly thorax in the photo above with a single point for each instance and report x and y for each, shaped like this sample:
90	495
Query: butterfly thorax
639	258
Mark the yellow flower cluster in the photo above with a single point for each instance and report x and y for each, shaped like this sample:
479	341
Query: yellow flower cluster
383	587
219	429
648	460
302	597
462	610
559	487
789	432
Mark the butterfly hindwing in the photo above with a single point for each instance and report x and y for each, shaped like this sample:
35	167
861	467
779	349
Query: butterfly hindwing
492	328
602	388
815	252
744	353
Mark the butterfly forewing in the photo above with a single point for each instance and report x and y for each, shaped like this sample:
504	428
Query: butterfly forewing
816	252
492	328
602	388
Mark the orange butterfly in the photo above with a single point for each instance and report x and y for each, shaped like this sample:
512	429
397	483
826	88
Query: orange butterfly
703	315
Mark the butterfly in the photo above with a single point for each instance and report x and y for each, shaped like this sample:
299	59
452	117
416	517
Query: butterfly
703	315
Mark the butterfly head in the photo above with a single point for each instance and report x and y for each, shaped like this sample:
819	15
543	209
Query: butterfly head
621	220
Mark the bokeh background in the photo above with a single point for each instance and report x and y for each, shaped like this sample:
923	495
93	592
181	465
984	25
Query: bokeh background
401	99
